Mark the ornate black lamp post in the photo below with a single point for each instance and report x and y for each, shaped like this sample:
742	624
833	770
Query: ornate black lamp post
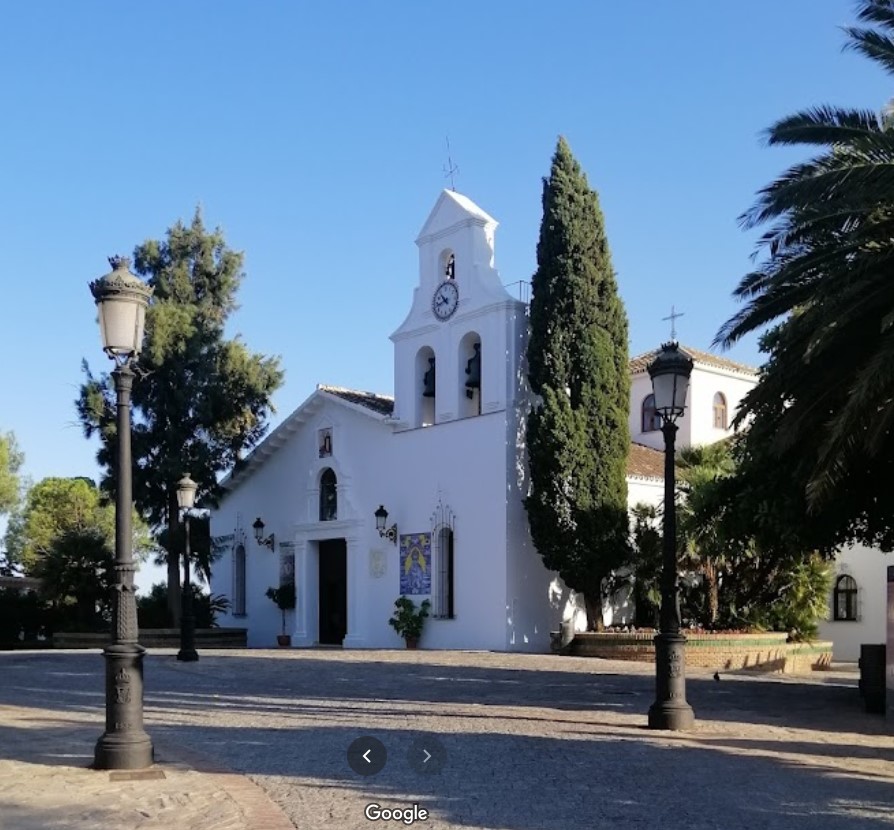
670	373
121	299
186	498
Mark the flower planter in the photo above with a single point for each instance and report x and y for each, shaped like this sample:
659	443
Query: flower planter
284	640
412	642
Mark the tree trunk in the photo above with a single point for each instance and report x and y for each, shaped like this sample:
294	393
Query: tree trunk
593	602
713	593
173	560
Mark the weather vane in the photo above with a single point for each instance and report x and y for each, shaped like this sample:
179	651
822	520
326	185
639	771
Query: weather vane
673	319
450	169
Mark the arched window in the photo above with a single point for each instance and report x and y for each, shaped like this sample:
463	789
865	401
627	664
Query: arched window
328	496
845	599
239	581
651	418
443	588
720	421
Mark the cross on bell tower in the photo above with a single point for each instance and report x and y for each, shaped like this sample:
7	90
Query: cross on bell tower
673	319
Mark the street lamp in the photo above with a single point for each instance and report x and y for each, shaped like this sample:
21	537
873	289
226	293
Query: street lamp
121	300
186	498
670	373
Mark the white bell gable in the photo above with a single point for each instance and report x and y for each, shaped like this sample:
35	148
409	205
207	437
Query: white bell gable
456	256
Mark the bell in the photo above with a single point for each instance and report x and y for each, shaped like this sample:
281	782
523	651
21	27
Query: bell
428	380
473	369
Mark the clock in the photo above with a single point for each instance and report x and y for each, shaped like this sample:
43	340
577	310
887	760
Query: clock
445	300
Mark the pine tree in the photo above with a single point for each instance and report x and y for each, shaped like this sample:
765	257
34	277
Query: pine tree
578	436
200	400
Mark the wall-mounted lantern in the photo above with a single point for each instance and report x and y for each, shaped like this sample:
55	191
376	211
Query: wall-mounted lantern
264	541
389	533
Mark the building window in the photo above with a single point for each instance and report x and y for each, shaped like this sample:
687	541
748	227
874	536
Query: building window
328	496
845	599
443	588
720	421
239	581
651	418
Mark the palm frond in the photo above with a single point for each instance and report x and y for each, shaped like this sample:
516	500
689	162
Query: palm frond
827	125
873	45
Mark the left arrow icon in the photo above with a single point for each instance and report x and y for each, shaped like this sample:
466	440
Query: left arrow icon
367	755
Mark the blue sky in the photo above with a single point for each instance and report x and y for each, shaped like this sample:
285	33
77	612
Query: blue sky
314	135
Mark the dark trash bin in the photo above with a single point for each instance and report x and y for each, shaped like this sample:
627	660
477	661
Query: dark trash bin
872	677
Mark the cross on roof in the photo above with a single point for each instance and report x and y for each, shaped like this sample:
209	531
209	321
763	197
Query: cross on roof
450	169
673	319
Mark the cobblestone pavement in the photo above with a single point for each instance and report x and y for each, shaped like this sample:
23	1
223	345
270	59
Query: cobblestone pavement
533	743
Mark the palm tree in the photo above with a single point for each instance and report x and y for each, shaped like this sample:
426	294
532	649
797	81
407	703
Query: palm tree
825	281
701	470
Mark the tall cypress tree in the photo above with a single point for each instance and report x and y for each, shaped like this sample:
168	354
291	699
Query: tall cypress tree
577	434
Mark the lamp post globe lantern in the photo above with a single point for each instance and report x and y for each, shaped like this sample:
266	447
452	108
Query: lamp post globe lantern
186	499
121	301
670	372
186	493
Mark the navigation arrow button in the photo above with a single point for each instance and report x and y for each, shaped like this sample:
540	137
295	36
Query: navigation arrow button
427	755
367	755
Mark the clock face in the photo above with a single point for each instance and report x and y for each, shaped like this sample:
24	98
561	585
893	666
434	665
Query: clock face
445	299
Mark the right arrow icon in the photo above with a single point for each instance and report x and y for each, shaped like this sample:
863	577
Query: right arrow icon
427	755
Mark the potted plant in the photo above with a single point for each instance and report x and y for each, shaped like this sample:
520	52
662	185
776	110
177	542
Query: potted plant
284	597
407	620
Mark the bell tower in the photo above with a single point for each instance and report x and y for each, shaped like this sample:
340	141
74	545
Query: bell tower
456	354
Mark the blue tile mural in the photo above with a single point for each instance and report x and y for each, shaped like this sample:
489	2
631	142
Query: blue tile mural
415	563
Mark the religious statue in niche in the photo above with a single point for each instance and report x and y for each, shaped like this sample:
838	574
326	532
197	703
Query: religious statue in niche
415	563
325	442
450	267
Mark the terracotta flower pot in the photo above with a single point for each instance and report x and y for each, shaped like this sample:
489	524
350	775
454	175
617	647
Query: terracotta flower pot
412	642
284	640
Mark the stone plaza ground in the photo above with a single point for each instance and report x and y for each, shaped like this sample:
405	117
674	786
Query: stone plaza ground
258	740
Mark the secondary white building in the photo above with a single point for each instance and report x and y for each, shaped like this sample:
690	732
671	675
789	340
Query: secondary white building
444	457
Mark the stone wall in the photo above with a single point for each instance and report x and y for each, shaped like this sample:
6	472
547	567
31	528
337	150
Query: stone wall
157	638
765	651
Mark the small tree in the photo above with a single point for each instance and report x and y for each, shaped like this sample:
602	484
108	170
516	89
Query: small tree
284	598
76	576
577	434
11	460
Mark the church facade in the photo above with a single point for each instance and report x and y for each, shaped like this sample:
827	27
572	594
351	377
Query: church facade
360	498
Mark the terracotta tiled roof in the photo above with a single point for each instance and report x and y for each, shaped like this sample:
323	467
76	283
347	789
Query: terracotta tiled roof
382	404
639	363
645	462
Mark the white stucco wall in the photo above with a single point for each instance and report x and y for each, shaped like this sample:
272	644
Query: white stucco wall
460	463
868	567
696	426
706	382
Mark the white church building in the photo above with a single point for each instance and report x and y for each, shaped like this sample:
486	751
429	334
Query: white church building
445	459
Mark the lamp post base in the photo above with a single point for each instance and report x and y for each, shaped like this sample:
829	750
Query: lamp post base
124	744
187	655
670	709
